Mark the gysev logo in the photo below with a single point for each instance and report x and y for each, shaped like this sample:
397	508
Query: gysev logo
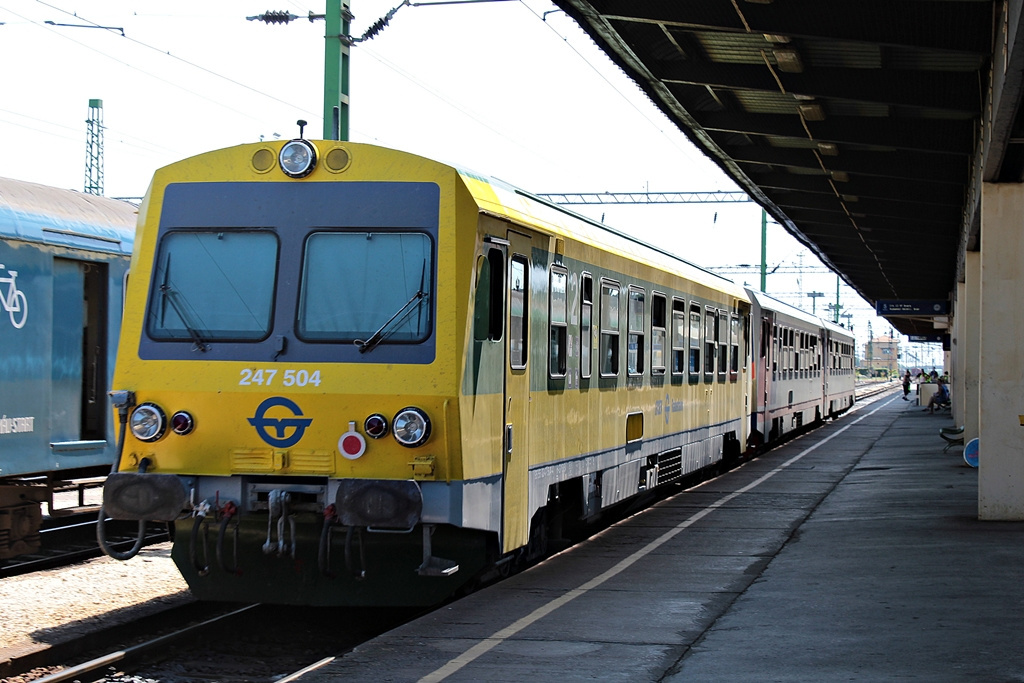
281	426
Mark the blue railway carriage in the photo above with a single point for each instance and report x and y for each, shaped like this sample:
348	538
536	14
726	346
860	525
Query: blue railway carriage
351	375
63	259
803	369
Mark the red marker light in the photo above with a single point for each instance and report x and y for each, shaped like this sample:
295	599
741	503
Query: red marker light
182	423
376	426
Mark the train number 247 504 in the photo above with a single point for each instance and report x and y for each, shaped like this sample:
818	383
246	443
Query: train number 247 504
289	378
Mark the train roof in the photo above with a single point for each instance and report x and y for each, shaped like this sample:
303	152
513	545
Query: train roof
505	199
48	215
771	303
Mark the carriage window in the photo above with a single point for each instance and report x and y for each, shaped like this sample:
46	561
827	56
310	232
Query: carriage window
557	327
798	356
586	324
518	306
710	343
784	361
793	360
723	345
695	342
609	328
489	310
734	355
658	306
206	290
367	286
680	337
775	351
635	340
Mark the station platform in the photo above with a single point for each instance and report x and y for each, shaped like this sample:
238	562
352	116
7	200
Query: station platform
853	553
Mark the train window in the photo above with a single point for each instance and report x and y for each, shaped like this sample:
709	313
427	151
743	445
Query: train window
609	328
695	349
635	340
784	353
679	337
370	286
710	343
586	324
489	309
790	361
765	339
518	306
734	355
213	286
558	321
801	342
798	355
658	334
775	351
723	345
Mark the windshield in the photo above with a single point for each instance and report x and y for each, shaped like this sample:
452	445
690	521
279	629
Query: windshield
362	285
211	286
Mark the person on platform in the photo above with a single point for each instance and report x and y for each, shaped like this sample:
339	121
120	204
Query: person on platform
906	386
939	398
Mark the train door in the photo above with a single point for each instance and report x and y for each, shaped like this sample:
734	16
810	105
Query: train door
515	491
819	364
762	377
79	351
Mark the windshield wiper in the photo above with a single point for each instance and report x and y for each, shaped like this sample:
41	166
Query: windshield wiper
171	295
383	333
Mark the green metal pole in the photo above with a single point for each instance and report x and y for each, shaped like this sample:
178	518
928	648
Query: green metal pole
764	250
336	56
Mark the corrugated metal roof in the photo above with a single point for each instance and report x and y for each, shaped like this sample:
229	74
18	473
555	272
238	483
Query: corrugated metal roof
856	125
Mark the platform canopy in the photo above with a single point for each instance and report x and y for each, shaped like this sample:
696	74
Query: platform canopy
864	128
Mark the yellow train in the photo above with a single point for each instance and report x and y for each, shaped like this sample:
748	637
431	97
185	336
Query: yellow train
349	375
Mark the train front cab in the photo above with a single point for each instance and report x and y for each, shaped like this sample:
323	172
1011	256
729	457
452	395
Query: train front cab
291	376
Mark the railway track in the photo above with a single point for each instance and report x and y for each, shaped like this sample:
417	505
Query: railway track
72	538
865	389
220	642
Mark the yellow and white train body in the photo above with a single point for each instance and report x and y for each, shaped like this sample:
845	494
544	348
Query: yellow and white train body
351	375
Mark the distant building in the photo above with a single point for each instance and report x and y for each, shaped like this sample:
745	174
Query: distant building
881	356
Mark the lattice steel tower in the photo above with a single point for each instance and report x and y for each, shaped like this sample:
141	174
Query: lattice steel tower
94	149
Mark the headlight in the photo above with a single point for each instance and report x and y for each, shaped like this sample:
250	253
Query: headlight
148	422
411	427
297	158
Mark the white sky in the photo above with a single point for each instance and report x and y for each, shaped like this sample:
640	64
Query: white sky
497	87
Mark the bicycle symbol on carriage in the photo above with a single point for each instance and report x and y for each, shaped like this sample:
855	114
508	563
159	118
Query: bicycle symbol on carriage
14	301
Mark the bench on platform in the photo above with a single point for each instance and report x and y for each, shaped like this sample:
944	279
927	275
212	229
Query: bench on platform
953	436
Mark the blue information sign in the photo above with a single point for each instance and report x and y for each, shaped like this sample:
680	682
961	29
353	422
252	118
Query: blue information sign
902	307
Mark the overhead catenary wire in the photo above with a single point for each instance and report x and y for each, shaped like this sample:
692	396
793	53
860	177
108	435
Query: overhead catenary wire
168	53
